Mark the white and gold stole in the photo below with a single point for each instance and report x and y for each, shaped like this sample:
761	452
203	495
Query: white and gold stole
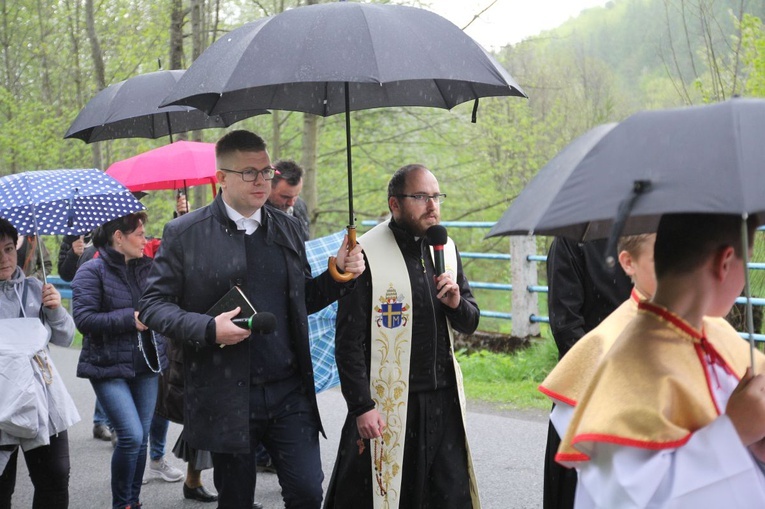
391	339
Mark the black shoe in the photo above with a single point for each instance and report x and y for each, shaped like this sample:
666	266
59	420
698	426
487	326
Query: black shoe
101	432
257	506
199	493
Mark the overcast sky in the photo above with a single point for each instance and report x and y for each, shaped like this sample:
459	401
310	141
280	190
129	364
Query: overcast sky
509	21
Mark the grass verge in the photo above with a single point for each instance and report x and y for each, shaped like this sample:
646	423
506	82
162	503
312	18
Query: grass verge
509	380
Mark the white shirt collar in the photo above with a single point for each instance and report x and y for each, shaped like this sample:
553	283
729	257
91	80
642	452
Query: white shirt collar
248	224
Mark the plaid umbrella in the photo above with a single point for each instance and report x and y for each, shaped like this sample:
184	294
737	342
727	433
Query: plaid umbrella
321	325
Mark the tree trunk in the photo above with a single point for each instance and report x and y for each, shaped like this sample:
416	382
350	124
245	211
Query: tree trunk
176	34
98	67
308	161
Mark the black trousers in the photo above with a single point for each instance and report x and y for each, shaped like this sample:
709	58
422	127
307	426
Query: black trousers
559	481
283	420
49	471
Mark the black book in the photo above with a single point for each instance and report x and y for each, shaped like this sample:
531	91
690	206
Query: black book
233	298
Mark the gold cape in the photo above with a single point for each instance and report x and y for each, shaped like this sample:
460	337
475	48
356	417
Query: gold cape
570	377
652	390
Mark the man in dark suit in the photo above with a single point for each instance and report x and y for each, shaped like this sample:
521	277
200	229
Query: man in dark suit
259	388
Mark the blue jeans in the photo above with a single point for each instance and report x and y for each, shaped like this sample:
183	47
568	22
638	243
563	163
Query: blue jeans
129	405
158	436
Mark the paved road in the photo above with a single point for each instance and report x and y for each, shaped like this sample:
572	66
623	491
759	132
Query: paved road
508	450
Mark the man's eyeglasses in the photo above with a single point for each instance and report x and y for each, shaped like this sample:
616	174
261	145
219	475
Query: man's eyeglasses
424	198
251	174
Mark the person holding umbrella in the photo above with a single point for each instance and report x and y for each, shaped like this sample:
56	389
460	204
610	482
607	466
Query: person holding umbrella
46	449
239	240
691	432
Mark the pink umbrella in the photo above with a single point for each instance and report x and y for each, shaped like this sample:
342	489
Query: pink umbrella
175	166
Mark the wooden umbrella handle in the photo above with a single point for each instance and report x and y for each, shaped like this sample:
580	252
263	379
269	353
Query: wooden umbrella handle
332	265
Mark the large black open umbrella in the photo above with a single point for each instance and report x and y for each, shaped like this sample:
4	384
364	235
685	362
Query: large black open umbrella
130	109
340	57
620	179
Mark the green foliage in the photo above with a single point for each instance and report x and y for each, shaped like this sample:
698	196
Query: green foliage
511	379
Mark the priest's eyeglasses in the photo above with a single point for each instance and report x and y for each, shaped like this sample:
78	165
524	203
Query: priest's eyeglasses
424	198
251	174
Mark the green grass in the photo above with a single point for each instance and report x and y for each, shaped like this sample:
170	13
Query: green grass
509	379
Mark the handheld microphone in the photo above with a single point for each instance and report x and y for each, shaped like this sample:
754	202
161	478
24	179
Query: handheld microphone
260	323
437	237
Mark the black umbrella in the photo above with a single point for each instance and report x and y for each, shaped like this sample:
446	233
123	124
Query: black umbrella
340	57
621	179
130	109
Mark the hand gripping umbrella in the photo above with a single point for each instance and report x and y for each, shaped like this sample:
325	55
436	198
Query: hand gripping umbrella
341	57
622	178
68	202
130	109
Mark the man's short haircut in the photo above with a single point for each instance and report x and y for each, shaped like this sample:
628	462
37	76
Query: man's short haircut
397	182
685	241
633	244
289	171
245	141
8	230
104	234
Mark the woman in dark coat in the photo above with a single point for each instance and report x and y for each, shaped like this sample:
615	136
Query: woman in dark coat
120	355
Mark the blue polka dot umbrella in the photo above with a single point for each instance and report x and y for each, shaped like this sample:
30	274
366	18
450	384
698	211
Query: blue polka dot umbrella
68	202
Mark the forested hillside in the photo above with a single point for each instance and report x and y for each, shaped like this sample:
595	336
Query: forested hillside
599	67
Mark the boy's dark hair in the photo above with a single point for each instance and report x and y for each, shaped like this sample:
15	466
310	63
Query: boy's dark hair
8	230
245	141
685	241
289	171
633	244
104	234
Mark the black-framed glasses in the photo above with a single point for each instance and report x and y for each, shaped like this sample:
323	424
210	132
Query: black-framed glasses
251	174
424	198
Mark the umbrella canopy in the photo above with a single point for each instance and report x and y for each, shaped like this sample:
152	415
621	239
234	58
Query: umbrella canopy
703	159
340	57
130	109
63	202
301	59
174	166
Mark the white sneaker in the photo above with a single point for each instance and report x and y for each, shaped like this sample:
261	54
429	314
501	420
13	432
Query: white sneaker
161	468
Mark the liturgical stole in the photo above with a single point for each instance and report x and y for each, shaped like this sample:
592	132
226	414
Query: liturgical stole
391	340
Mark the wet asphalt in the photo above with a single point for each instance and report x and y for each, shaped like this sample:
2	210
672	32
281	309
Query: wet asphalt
507	446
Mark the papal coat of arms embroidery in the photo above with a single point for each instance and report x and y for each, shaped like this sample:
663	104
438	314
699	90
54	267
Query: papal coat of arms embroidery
392	310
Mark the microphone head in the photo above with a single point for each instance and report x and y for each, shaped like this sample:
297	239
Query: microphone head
263	323
436	235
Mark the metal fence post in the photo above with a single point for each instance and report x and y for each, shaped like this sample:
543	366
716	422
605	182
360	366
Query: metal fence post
523	274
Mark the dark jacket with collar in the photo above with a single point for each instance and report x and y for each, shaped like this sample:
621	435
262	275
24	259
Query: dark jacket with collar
431	364
201	257
105	293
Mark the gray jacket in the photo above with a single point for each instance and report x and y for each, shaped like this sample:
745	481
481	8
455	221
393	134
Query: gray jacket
53	397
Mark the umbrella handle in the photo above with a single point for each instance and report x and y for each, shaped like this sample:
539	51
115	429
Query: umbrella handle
332	266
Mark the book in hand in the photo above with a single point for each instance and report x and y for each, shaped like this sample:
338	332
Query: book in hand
234	298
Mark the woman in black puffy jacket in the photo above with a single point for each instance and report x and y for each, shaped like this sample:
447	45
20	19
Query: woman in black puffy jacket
120	356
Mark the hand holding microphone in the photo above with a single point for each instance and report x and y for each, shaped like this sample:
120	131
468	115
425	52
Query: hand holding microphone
259	323
448	290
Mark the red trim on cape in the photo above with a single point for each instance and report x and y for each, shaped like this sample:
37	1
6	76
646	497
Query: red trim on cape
641	444
554	395
671	318
571	457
